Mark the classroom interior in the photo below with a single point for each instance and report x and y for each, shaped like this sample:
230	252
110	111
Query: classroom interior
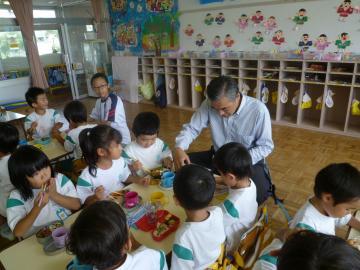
73	43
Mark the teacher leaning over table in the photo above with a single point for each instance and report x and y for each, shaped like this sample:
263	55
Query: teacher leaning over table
231	117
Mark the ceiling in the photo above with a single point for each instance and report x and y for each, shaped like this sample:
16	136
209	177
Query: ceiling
54	3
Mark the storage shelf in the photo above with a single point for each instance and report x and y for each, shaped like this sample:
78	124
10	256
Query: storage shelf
339	84
290	81
270	80
314	71
292	70
342	73
312	82
243	68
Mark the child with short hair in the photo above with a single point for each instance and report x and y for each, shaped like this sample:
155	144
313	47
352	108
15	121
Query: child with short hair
40	196
100	237
234	162
147	151
337	190
107	171
9	140
43	121
109	108
199	241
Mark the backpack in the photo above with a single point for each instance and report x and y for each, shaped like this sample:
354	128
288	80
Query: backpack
160	93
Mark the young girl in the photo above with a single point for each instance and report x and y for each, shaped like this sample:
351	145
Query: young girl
40	196
107	170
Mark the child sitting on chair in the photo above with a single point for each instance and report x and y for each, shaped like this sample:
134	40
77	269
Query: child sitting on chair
147	151
43	121
233	162
199	241
100	237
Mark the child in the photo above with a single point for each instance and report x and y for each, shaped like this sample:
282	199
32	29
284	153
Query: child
199	241
9	140
40	197
233	162
100	237
42	121
337	190
148	151
107	170
109	108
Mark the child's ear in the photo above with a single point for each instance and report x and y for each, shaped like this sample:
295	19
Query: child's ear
230	177
101	152
327	198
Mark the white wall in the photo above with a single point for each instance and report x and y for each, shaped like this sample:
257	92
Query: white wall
322	19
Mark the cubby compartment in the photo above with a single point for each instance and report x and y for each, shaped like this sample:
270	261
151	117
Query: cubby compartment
292	66
288	112
315	77
340	79
148	77
249	64
335	116
213	72
248	74
269	75
198	90
353	126
357	80
342	68
250	86
171	70
310	117
230	64
316	67
184	62
198	62
183	70
159	62
147	61
234	73
290	76
269	98
185	89
198	71
213	63
270	65
172	90
171	62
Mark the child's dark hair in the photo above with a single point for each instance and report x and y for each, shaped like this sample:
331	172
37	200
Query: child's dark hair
323	35
9	138
233	158
32	93
316	251
91	139
24	162
99	75
194	187
146	123
302	10
341	180
98	235
305	35
344	34
75	111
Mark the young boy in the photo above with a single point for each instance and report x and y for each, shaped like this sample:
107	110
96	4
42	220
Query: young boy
337	190
147	151
9	140
109	108
100	237
43	121
199	241
233	162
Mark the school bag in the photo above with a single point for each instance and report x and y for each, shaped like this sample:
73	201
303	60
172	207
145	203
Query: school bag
160	93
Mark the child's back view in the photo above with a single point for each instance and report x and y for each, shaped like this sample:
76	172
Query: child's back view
100	237
199	241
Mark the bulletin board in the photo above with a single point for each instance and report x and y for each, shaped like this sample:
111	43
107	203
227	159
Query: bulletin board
141	26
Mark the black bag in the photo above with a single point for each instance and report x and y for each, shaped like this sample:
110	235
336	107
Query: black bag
160	92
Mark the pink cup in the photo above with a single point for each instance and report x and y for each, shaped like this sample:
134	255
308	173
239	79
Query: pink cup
131	199
59	235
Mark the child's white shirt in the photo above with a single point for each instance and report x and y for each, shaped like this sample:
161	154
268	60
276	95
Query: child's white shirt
144	258
45	123
239	209
112	109
265	260
18	208
309	218
111	179
5	184
150	157
72	140
197	245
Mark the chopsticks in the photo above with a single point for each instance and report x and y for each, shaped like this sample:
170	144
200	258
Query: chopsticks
43	190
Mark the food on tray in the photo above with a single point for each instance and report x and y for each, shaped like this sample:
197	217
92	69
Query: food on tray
47	230
163	228
157	172
118	196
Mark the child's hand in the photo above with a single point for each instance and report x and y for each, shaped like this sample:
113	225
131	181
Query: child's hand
42	199
168	163
57	126
100	193
137	165
51	188
145	181
33	125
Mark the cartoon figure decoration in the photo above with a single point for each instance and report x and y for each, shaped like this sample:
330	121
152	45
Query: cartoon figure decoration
270	24
189	30
118	5
220	18
322	43
257	39
278	38
200	40
127	35
257	18
343	41
344	10
209	19
228	41
305	43
242	23
300	18
159	5
216	42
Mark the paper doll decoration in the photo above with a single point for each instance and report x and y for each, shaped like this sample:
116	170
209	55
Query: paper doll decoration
189	30
300	18
220	19
344	10
278	38
270	24
200	40
209	19
322	43
305	43
242	22
343	41
257	39
228	41
216	42
257	18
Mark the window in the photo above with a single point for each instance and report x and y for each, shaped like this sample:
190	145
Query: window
37	13
48	41
11	45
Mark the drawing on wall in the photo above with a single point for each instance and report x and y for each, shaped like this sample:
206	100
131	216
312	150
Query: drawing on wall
209	19
242	23
322	43
270	24
278	38
257	18
257	39
200	40
159	5
118	5
300	18
229	41
343	41
217	42
305	43
189	30
127	35
220	18
344	10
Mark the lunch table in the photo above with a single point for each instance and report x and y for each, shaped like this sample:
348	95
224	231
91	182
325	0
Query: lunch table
54	150
15	118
